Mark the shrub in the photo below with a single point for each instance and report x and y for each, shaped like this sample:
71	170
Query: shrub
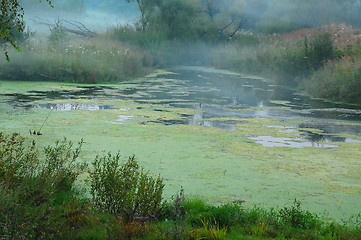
58	36
176	213
125	189
118	229
209	231
337	80
31	184
295	217
225	215
320	50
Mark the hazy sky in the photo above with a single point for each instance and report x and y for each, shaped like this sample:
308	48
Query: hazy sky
97	15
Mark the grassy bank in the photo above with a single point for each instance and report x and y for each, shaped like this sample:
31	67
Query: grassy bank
323	61
81	60
42	198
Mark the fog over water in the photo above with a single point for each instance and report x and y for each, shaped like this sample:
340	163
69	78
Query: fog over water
261	15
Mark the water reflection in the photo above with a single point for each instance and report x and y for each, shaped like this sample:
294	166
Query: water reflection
73	106
216	94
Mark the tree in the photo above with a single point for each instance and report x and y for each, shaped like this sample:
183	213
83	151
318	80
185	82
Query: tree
11	22
228	15
179	19
146	8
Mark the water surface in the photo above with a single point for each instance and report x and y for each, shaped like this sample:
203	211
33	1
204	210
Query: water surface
225	136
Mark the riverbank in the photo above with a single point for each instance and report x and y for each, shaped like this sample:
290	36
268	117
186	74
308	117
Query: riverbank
81	60
323	62
50	203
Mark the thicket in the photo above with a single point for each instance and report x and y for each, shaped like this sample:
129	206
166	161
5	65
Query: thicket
286	62
40	198
323	62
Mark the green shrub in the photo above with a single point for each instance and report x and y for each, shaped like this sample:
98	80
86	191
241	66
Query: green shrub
31	184
247	39
320	50
125	189
176	213
225	215
58	36
295	217
337	80
118	229
271	25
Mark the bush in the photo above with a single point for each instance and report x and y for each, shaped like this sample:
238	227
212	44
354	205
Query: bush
176	213
31	185
224	216
320	50
125	189
295	217
338	80
58	36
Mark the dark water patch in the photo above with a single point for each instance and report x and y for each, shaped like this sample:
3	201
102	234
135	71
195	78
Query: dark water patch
270	141
129	91
160	110
328	131
167	122
317	137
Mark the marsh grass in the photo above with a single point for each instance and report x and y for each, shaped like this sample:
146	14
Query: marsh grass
337	80
83	61
323	61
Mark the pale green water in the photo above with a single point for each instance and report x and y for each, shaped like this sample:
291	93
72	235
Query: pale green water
219	135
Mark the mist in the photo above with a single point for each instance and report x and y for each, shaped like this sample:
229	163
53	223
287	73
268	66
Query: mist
97	15
262	15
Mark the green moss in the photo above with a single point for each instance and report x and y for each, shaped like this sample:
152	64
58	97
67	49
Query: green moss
218	164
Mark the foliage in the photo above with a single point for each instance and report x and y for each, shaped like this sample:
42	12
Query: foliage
188	20
30	186
125	189
225	215
38	201
119	229
83	61
146	8
177	213
58	35
11	23
286	61
209	231
320	50
297	218
337	80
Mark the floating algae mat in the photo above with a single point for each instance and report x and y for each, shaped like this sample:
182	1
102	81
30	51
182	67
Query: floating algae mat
220	135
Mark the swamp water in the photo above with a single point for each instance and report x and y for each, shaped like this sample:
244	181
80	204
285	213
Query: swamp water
220	135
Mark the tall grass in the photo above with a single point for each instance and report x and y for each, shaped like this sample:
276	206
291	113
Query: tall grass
82	61
337	80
